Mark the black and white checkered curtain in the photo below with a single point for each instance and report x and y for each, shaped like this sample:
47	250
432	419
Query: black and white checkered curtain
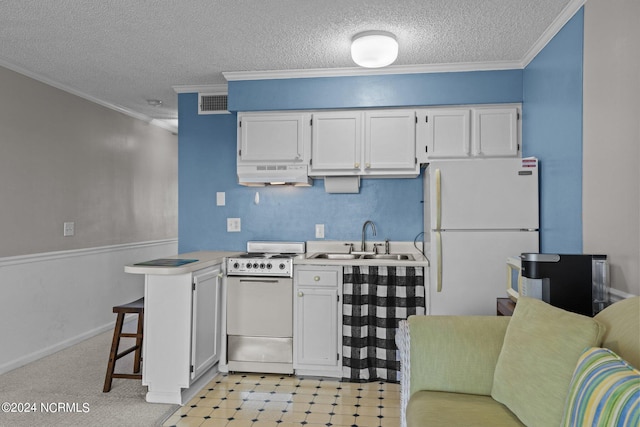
375	299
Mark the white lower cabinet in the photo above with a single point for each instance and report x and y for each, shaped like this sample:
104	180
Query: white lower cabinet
182	333
205	321
317	333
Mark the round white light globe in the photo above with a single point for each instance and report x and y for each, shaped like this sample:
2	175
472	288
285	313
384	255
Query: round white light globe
374	49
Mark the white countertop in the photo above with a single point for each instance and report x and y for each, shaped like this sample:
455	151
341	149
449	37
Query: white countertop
205	259
211	258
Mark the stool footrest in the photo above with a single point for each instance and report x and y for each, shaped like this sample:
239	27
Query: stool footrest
128	376
129	335
127	351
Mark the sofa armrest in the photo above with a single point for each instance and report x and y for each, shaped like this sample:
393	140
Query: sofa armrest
454	353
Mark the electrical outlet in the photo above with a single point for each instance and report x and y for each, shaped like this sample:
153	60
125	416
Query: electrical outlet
319	231
69	229
233	225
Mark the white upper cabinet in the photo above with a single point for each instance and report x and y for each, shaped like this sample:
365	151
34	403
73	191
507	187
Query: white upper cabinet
445	133
264	137
336	143
468	132
495	132
366	143
390	142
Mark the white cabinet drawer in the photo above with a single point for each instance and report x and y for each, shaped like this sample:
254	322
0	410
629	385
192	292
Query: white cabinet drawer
317	278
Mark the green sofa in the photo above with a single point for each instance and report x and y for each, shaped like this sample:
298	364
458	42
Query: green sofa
509	371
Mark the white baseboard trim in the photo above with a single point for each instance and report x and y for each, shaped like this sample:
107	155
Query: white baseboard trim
54	349
14	364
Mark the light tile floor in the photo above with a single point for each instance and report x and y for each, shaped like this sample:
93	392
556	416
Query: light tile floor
273	400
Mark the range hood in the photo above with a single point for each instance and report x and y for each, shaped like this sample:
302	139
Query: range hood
273	174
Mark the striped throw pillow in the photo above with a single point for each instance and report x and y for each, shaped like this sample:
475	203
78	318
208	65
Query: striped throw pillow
604	391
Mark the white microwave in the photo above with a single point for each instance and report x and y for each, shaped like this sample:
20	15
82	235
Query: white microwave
517	285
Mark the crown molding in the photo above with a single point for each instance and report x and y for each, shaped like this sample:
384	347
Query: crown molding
357	71
65	88
567	13
211	89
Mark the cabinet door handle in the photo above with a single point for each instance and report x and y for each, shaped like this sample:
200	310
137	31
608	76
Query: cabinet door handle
438	184
438	261
300	293
367	165
356	165
316	278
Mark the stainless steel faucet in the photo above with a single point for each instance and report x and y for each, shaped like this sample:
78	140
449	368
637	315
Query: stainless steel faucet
363	246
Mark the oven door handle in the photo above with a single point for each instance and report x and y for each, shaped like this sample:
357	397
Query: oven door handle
259	281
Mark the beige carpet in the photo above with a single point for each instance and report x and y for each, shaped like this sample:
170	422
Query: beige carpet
74	377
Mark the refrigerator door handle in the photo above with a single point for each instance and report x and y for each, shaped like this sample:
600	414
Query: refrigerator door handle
438	199
438	236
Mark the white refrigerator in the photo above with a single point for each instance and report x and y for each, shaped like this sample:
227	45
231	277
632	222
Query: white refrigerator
477	214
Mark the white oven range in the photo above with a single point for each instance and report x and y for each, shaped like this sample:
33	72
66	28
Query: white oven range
259	307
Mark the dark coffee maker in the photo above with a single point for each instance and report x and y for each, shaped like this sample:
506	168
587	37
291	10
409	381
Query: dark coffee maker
578	283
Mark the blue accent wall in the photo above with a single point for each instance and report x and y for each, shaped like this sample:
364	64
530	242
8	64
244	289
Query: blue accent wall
478	87
207	162
552	131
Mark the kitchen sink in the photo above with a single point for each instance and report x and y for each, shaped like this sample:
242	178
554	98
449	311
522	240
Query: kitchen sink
398	257
334	256
343	256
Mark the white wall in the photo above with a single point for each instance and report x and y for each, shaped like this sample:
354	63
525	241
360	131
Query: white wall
63	158
611	144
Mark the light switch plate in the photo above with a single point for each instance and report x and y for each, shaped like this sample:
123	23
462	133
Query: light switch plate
319	231
233	225
220	198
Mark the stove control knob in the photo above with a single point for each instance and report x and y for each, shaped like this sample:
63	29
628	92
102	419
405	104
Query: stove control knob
255	265
269	266
236	265
262	265
282	266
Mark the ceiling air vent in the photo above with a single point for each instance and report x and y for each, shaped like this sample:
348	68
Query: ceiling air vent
212	104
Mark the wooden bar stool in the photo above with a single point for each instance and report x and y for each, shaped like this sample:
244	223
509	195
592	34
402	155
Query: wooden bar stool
135	307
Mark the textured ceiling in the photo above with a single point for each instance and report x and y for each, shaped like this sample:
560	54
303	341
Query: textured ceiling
123	52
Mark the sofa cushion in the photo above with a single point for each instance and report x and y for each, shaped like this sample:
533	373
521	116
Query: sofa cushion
455	353
622	321
541	347
442	409
604	391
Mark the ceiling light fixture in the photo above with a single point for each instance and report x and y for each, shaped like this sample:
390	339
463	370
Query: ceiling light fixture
374	49
154	102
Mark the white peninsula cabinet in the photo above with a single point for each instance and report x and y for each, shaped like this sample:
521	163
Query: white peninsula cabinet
366	143
182	326
317	319
472	132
